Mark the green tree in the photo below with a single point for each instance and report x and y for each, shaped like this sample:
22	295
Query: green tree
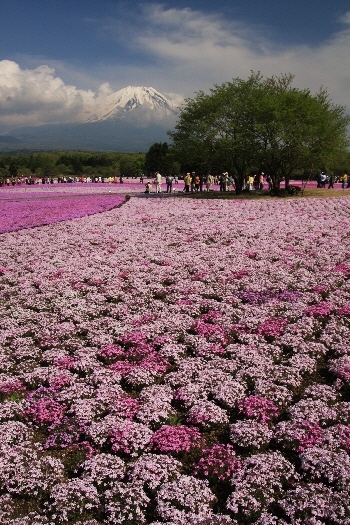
158	158
73	162
259	123
4	173
126	165
131	164
42	164
13	169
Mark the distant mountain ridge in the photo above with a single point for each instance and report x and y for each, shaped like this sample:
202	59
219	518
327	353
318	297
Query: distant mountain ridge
8	139
131	119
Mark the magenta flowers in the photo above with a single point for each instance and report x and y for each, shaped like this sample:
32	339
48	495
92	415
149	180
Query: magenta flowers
29	209
175	439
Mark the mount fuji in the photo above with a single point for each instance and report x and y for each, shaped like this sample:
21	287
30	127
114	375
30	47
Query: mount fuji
133	99
131	119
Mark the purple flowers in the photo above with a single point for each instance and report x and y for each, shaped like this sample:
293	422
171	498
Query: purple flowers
219	461
44	411
322	309
153	374
175	439
272	327
28	209
258	408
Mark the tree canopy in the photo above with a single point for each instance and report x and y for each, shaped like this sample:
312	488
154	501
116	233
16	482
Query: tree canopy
260	125
161	158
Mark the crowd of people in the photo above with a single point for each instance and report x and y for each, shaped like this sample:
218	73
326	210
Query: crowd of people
194	183
324	180
62	179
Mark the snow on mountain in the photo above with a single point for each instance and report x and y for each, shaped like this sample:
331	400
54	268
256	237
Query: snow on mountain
131	98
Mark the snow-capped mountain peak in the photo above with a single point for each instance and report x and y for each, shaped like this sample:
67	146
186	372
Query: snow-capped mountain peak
132	98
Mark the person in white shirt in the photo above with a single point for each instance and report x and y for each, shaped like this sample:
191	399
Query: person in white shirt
210	181
158	181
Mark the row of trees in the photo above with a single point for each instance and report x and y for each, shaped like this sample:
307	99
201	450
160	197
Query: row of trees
159	157
71	163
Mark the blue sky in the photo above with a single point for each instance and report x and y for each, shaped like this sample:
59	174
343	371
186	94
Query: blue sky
59	59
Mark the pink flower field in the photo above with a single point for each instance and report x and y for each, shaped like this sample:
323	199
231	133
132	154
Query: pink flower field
176	361
26	209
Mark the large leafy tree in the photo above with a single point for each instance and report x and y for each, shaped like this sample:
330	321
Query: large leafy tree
265	124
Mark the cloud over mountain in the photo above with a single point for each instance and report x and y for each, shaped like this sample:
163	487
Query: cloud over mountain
130	119
38	97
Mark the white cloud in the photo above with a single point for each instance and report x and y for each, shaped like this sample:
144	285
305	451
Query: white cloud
32	97
198	50
184	51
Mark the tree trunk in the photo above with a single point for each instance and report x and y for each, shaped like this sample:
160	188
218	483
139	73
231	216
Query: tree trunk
276	183
239	183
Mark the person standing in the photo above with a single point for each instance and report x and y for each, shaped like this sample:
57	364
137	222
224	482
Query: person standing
250	182
319	180
225	175
269	182
193	181
345	180
201	182
331	181
158	182
210	181
230	183
169	183
187	181
261	181
256	182
196	184
322	181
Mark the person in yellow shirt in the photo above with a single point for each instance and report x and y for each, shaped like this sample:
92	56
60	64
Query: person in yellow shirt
345	180
250	182
187	181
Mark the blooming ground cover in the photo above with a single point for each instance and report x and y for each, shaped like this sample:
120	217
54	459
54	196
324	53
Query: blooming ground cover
178	362
68	189
25	211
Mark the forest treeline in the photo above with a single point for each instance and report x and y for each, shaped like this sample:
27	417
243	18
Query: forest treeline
53	164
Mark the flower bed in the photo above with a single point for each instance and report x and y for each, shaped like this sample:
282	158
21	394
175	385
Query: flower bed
177	362
27	213
24	191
